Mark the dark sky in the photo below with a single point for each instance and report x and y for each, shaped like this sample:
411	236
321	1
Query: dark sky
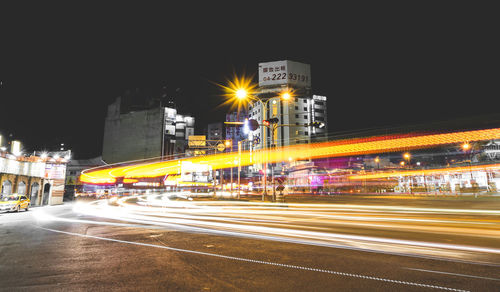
379	65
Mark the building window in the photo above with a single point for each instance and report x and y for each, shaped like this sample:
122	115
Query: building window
296	108
306	133
305	108
296	116
305	116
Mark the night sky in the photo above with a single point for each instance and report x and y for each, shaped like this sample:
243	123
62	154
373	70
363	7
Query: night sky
379	65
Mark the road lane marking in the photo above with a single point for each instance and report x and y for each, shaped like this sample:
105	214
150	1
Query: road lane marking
257	261
454	274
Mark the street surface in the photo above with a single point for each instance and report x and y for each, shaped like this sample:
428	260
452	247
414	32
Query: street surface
342	243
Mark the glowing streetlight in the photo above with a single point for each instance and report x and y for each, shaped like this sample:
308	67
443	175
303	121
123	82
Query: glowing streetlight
241	93
466	146
286	95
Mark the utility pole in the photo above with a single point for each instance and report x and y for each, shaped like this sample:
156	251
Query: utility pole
239	168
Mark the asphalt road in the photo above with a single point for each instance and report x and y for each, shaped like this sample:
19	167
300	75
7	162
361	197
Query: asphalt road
155	244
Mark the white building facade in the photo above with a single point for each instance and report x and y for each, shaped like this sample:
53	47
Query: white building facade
295	115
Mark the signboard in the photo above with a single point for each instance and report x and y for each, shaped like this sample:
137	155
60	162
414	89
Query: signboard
197	141
15	148
284	72
55	171
221	147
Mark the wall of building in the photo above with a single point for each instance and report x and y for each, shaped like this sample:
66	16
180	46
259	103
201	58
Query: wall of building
145	133
132	136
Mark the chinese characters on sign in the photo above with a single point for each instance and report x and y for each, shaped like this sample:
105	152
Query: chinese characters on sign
284	72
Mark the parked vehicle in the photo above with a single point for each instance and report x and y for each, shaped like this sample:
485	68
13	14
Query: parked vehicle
14	202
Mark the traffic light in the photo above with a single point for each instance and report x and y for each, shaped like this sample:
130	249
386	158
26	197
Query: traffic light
274	120
318	125
270	121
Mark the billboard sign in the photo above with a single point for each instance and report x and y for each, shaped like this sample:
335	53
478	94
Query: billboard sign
284	72
197	141
55	171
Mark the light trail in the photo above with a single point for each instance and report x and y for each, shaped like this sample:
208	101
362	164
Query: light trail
315	224
296	152
427	172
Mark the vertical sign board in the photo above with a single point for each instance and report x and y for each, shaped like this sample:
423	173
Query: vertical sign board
284	72
15	148
57	173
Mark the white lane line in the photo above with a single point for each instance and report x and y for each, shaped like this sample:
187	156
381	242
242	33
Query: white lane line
256	261
453	274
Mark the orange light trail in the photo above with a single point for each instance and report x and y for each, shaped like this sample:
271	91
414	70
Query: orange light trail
350	147
428	172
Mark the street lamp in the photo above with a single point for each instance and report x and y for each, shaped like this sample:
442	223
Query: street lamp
467	148
407	157
243	94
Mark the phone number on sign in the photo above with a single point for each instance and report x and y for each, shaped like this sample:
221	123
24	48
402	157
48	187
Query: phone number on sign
283	76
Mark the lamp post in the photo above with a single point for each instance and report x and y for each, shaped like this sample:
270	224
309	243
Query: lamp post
239	168
467	148
242	94
407	157
229	143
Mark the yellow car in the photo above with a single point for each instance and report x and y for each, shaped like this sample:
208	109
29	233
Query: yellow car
14	202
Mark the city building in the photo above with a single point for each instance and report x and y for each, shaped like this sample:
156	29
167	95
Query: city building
302	118
133	132
41	177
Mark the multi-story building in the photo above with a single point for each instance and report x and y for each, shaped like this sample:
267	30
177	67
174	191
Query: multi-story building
132	133
38	177
296	116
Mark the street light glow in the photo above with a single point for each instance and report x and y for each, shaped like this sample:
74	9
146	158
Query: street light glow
241	93
286	96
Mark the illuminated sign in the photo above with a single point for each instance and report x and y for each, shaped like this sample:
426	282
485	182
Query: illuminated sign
15	148
284	72
197	141
55	171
